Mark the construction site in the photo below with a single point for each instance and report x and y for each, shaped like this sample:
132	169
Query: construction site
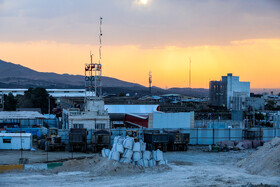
157	141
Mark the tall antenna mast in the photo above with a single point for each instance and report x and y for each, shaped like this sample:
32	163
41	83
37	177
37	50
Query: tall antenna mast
190	73
150	82
100	37
93	73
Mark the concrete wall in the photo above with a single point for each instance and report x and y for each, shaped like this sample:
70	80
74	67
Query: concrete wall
172	120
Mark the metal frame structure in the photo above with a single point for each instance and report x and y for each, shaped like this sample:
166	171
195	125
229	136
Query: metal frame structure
93	73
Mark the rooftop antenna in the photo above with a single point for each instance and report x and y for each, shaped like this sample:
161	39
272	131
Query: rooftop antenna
150	82
100	38
93	72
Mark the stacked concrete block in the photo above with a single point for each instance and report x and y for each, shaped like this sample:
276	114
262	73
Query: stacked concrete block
125	150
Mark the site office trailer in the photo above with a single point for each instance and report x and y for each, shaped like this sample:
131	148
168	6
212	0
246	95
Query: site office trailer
16	141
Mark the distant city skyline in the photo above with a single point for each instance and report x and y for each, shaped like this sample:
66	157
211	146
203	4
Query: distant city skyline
239	37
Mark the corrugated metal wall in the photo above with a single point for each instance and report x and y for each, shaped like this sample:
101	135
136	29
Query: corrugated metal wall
198	136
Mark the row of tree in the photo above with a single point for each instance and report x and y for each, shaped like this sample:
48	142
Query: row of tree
32	98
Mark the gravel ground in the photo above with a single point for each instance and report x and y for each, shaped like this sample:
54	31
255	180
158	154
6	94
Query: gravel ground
191	168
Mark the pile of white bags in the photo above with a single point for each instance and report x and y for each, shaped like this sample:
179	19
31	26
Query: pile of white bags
125	150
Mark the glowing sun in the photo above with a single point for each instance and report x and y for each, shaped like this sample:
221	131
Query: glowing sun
143	2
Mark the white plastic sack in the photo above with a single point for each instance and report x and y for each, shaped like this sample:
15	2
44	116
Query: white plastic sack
125	160
105	152
158	155
152	163
118	147
162	162
137	147
128	143
114	155
147	155
143	145
118	139
137	156
143	162
127	153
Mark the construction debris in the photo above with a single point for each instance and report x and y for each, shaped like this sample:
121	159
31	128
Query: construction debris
265	161
130	152
235	145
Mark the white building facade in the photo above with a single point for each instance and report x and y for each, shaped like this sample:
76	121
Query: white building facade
93	117
229	92
173	120
237	92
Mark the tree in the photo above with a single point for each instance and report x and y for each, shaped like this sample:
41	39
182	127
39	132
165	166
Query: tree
38	98
270	105
10	103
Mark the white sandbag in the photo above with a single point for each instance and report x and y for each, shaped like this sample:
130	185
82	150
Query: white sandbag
125	160
114	155
152	163
142	145
147	155
137	156
105	152
158	155
127	153
128	143
162	162
118	139
143	162
137	147
118	147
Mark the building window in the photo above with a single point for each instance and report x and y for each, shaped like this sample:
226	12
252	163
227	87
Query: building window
100	126
6	140
78	126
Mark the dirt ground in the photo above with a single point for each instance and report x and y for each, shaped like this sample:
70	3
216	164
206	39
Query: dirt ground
191	168
8	157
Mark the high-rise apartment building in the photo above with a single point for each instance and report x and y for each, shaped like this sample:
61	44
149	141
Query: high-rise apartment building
229	92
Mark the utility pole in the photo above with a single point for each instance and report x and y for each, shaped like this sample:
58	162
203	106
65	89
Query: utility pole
49	105
3	101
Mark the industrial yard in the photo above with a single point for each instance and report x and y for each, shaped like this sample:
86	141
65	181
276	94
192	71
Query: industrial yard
193	168
208	115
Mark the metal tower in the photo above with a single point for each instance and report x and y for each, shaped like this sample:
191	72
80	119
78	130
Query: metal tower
93	73
190	73
150	82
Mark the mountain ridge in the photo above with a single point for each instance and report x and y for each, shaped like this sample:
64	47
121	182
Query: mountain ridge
17	76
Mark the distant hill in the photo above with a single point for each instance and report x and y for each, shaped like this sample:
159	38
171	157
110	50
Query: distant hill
18	76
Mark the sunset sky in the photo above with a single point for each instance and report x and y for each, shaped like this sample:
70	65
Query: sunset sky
235	36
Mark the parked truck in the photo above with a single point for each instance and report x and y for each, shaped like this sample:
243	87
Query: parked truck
178	141
101	139
156	140
78	139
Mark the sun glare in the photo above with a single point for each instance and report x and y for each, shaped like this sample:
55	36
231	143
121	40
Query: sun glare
143	2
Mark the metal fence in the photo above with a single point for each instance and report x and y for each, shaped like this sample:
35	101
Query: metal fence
198	136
